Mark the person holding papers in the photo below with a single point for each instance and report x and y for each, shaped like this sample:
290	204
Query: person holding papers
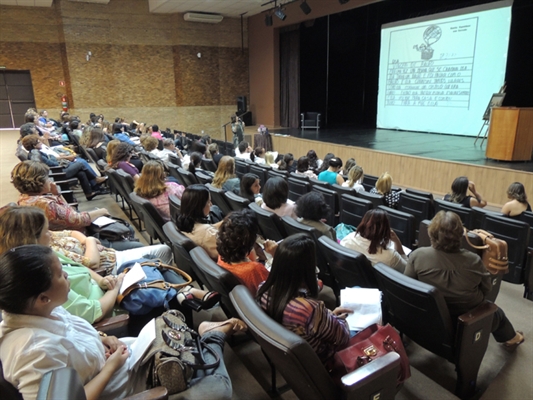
38	335
289	297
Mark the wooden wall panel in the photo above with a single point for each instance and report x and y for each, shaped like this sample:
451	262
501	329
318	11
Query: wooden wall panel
415	172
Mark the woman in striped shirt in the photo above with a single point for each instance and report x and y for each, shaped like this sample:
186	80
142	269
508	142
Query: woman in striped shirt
289	297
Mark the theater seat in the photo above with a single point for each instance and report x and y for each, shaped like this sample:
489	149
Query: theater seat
299	365
419	311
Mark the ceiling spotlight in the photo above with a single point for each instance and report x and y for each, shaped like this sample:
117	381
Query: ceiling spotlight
305	8
280	14
268	19
343	1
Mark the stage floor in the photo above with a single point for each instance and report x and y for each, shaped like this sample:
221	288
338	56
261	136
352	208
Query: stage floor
430	145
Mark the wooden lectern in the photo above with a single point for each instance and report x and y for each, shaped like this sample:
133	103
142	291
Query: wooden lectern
510	134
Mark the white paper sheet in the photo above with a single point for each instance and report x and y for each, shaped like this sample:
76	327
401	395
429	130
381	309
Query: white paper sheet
143	342
103	221
134	275
366	304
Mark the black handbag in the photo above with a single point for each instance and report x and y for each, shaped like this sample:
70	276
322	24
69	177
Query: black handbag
119	230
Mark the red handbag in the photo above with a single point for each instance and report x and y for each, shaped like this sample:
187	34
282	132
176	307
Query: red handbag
371	343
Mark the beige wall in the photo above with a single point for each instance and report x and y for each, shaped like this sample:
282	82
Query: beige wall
264	54
143	66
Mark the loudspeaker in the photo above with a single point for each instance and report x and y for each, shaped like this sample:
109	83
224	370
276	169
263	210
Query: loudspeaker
242	107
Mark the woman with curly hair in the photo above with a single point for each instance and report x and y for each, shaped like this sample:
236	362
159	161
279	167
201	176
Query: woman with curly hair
225	177
193	221
152	186
460	187
311	209
518	203
459	274
235	243
36	189
121	160
377	241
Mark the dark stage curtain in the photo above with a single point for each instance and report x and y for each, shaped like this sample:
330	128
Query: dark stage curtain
290	77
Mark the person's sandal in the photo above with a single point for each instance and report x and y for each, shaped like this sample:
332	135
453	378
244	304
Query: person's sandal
511	347
186	298
229	327
210	300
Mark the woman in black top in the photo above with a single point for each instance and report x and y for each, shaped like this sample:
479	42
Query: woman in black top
460	187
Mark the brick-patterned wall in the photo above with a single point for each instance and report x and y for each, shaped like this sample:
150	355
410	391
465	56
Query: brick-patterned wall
143	66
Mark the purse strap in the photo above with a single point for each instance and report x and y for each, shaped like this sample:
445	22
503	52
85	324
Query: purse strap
486	246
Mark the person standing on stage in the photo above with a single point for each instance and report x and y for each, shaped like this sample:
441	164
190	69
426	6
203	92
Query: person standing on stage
237	127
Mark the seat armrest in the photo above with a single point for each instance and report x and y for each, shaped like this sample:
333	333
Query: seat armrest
376	378
66	184
157	393
484	310
57	170
112	323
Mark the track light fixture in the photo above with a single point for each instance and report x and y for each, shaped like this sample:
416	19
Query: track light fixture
280	14
268	19
305	7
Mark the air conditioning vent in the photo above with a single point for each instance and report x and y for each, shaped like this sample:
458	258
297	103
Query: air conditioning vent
201	17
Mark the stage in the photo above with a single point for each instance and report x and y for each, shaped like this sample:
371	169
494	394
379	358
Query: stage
417	160
453	148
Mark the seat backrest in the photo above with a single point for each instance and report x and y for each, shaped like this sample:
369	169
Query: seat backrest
298	176
343	190
527	217
174	204
349	267
464	213
173	170
316	182
369	182
297	188
261	172
181	245
93	157
478	215
516	234
153	221
269	223
420	207
292	356
202	177
235	201
61	383
209	164
376	199
273	173
332	200
188	177
403	224
241	168
417	310
174	159
218	198
419	193
217	278
127	180
7	390
353	209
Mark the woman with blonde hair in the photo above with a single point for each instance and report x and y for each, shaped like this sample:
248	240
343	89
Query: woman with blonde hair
355	179
270	160
110	150
152	186
225	177
384	188
518	203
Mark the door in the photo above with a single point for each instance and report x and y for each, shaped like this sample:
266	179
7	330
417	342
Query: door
16	96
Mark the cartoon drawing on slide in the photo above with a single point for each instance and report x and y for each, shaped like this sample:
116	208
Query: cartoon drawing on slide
431	35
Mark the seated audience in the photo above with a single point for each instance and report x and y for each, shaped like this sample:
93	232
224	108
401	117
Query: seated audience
31	179
243	151
121	158
251	188
312	209
195	162
111	146
384	188
150	144
37	336
152	186
518	203
225	177
168	148
355	179
215	155
289	297
460	187
459	274
314	162
155	132
259	155
193	221
276	197
331	175
270	160
235	242
118	133
377	241
287	163
97	142
302	168
350	163
325	163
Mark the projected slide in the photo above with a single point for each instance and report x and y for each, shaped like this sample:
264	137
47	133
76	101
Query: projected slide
438	74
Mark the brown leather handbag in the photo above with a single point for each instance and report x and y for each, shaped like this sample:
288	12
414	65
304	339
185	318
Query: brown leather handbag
371	343
494	255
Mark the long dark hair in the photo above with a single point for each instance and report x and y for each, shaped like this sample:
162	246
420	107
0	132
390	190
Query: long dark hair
459	189
247	181
375	227
193	201
195	160
17	292
293	269
325	163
